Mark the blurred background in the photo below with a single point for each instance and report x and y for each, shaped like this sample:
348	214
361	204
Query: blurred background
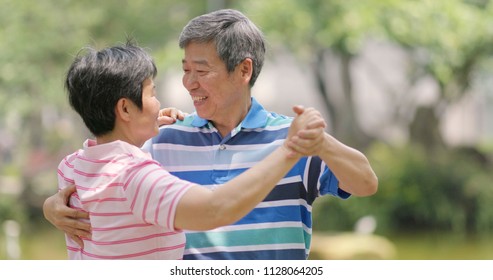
407	82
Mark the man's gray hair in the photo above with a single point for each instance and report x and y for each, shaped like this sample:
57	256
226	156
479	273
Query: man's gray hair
236	38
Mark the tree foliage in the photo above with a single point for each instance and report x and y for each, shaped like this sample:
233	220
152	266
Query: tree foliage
423	184
447	41
38	41
450	192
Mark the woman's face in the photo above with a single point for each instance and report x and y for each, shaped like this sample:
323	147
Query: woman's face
145	124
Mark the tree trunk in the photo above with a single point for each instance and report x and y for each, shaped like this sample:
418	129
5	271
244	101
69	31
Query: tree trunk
343	119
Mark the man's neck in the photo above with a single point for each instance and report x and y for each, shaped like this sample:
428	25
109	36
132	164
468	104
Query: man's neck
229	122
225	128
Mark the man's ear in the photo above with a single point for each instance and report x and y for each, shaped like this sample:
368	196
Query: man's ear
122	109
246	69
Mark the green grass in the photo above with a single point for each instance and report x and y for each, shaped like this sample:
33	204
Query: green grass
44	244
49	244
443	246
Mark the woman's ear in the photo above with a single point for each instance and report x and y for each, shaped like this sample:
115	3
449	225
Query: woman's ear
122	109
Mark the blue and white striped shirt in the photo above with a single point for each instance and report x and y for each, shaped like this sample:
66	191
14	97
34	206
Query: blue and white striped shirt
280	227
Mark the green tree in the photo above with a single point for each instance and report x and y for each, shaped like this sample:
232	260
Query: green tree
38	40
446	40
423	184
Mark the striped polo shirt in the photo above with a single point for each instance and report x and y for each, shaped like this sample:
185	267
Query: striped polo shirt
280	227
131	200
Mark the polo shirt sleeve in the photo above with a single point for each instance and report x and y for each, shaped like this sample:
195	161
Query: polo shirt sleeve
329	184
153	193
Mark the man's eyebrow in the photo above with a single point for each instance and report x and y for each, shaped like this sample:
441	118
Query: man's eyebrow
200	61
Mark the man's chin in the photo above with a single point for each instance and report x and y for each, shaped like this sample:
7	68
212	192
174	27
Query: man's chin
201	114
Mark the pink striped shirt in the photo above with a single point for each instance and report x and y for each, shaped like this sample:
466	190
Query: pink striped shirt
131	200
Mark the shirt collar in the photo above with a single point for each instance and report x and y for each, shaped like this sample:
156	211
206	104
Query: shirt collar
91	147
255	118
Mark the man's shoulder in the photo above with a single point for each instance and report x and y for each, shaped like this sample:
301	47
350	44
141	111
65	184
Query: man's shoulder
276	119
185	124
182	131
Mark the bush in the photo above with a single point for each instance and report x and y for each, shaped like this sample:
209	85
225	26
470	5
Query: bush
420	190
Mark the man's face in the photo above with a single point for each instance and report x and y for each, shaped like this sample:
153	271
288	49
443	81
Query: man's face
216	94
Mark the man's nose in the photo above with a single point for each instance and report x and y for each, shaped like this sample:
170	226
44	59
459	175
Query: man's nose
190	81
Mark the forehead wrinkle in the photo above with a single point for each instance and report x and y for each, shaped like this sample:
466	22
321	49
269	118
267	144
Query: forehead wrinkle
196	61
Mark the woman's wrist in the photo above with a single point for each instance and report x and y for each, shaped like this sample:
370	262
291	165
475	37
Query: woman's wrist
288	152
